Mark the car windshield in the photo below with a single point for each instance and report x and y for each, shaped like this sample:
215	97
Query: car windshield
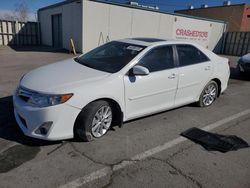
110	57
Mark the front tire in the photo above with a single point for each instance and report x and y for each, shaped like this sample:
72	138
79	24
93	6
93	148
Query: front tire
94	121
209	94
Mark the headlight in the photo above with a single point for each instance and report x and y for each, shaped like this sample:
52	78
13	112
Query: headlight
43	100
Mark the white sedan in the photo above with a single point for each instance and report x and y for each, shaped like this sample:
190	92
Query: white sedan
119	81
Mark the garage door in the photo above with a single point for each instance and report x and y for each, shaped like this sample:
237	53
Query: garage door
57	30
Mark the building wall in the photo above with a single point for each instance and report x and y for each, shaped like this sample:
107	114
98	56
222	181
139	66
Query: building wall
245	23
71	24
103	22
235	15
92	24
218	36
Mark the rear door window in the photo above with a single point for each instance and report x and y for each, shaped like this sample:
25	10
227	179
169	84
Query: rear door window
189	55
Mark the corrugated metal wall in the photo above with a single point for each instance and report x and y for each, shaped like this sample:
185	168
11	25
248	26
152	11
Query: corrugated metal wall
237	43
19	33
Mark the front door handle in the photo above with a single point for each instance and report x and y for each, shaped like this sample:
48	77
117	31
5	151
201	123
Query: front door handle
172	76
207	68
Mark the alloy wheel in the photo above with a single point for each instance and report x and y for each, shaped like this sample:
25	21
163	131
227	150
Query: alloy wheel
209	95
101	121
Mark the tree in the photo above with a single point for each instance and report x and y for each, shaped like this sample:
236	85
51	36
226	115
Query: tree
8	16
21	12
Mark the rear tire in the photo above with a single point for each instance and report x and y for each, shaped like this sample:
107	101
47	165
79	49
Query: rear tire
93	121
208	95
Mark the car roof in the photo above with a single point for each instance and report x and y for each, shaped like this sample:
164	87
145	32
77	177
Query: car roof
153	41
142	41
150	40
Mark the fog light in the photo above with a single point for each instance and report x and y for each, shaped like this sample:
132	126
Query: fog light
44	128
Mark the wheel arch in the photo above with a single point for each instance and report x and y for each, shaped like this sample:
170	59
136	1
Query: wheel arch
116	108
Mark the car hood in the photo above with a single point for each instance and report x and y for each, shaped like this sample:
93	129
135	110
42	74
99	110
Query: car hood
246	58
60	76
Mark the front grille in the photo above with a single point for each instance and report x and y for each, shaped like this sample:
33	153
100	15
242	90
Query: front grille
26	99
23	121
24	94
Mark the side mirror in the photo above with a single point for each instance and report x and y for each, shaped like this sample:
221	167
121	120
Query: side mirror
140	70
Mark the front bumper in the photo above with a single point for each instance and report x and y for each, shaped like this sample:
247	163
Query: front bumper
30	118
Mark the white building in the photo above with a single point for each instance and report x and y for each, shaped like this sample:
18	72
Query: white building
92	23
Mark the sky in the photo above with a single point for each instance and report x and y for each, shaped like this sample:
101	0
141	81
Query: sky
164	5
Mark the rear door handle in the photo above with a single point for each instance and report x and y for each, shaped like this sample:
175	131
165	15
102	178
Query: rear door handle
172	76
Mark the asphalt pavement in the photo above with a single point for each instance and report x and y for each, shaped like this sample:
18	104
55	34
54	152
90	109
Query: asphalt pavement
147	152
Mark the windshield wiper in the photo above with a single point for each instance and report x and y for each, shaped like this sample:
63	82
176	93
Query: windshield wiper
77	59
87	66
